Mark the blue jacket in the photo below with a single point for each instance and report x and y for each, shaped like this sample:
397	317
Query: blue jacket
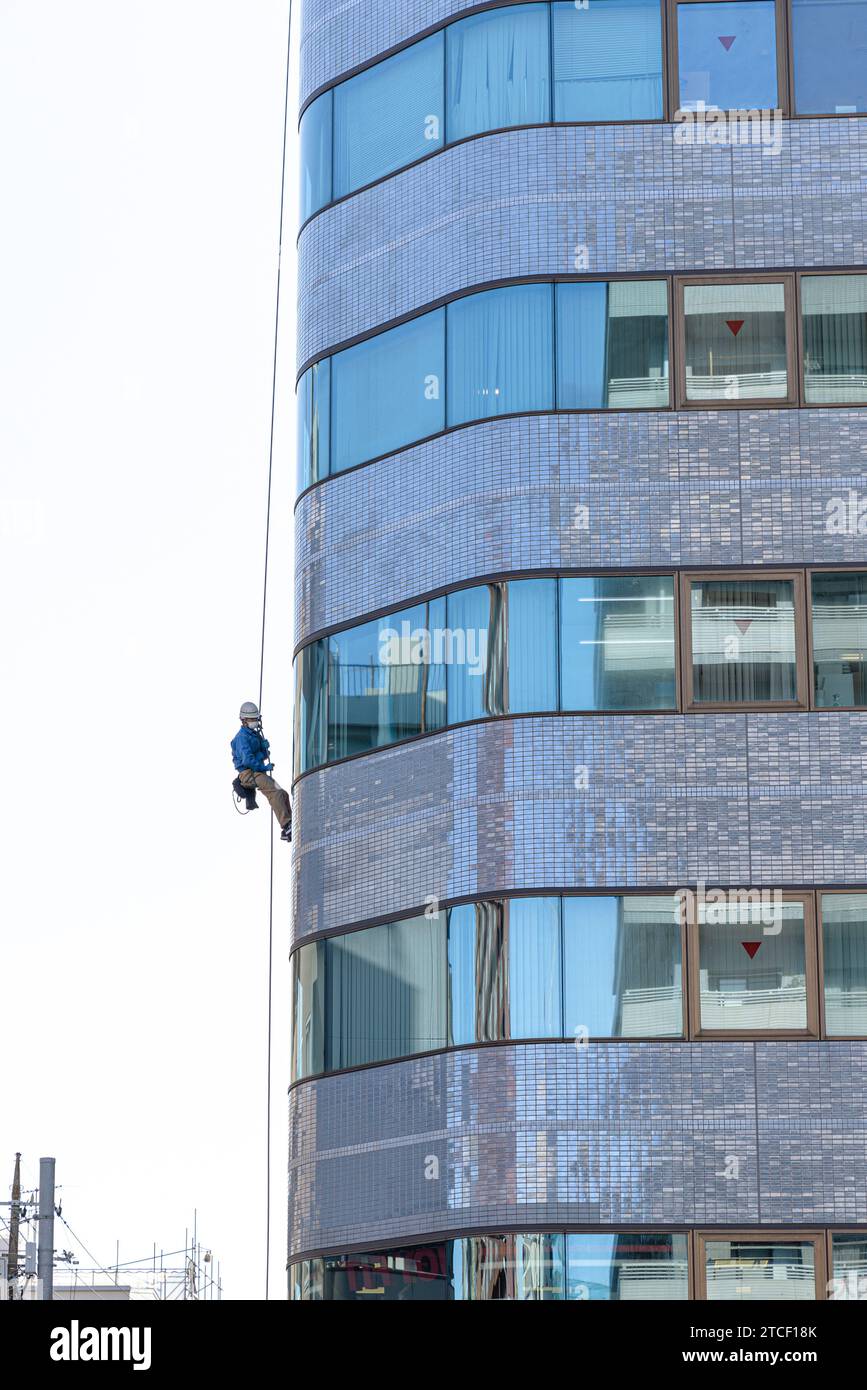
250	749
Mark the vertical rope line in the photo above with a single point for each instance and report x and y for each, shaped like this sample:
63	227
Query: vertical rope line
262	653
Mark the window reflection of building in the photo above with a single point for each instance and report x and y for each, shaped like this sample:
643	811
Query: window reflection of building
767	989
648	986
840	639
752	1270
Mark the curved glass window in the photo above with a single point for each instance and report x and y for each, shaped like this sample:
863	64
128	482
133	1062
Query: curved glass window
498	71
490	71
535	967
314	423
532	1267
388	391
389	115
612	345
622	968
532	647
829	41
478	987
401	385
581	967
384	681
626	1268
607	60
315	141
500	353
385	991
464	656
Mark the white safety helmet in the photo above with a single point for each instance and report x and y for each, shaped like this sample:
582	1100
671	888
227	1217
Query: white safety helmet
249	711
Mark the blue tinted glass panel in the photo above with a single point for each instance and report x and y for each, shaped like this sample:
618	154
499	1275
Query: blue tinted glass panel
617	643
462	975
311	665
310	719
582	340
622	967
308	1010
608	60
388	391
314	423
500	353
509	1268
315	141
829	38
478	988
381	684
535	1006
728	54
612	345
388	116
641	1265
532	645
386	991
472	649
498	71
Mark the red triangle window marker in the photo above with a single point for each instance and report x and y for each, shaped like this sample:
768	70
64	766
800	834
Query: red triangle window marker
743	623
751	947
735	325
727	40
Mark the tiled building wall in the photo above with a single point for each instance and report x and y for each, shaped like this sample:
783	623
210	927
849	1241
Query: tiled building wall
739	799
543	1135
549	1134
518	204
688	489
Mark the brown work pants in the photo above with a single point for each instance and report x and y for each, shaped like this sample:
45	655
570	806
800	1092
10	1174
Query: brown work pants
277	799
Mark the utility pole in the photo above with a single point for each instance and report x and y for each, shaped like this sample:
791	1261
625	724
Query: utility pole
45	1258
13	1227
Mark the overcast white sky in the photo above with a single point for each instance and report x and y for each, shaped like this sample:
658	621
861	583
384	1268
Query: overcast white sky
140	178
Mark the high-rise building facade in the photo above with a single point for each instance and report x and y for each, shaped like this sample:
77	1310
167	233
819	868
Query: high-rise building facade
580	903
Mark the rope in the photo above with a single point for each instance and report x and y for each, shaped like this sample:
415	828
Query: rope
262	654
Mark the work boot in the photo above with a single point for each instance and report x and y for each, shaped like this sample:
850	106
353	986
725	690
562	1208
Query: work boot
286	833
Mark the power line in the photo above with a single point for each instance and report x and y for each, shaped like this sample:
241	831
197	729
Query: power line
262	650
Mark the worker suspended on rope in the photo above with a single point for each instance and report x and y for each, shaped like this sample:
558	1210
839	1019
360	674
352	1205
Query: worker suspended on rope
250	750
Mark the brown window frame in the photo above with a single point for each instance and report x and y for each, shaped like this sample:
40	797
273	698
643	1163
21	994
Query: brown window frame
693	987
782	33
802	275
820	938
793	393
794	114
793	1236
690	577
